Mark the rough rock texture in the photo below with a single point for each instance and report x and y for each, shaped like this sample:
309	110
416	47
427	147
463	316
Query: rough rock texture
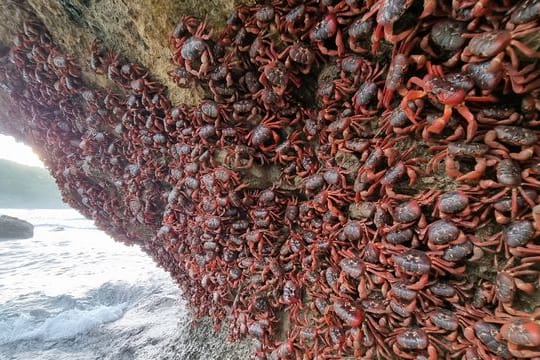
137	30
259	246
13	228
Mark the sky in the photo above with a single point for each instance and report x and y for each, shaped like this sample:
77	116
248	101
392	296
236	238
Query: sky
18	152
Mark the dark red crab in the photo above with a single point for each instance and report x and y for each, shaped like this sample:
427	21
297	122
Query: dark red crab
450	91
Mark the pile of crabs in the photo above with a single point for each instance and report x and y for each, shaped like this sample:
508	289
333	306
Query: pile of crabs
362	178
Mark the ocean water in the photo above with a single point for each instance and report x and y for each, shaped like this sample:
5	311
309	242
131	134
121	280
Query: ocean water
71	292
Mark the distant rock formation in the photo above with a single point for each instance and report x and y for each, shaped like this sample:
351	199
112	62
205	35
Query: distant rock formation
13	228
27	187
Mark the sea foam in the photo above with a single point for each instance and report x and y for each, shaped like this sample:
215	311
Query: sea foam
66	324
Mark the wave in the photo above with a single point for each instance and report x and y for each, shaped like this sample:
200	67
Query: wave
63	225
66	324
64	317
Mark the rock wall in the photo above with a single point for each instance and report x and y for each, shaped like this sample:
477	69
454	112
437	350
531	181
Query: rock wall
138	31
135	30
303	200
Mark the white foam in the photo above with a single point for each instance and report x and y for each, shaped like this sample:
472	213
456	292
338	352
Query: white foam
64	325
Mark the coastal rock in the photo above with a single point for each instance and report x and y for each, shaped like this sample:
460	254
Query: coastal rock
246	197
13	228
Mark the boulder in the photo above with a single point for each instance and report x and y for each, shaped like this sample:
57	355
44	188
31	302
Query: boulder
13	228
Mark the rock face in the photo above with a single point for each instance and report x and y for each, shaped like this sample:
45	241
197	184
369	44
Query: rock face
13	228
297	201
136	31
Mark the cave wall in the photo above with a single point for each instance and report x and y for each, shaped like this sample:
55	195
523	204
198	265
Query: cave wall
138	31
150	171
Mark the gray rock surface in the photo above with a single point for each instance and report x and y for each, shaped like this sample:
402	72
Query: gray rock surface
13	228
